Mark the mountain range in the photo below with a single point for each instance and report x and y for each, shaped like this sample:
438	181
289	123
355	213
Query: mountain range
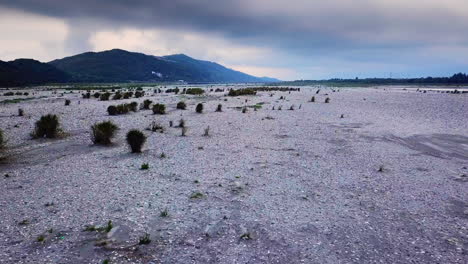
120	66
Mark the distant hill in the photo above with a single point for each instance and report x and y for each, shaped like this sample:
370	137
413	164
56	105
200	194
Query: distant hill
119	66
123	66
29	72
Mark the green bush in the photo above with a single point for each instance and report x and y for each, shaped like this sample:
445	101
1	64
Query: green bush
147	103
239	92
195	91
133	106
199	108
86	95
123	109
48	126
139	94
105	96
102	133
159	109
112	110
117	96
135	140
181	105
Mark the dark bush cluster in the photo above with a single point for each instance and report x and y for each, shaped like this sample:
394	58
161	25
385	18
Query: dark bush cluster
86	95
139	94
122	108
67	102
238	92
48	126
105	96
159	109
199	108
146	104
102	133
195	91
135	140
181	105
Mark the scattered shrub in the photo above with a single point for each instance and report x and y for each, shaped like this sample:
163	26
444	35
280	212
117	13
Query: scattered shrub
342	116
133	106
139	94
219	108
144	166
159	109
195	91
291	108
171	123
105	96
9	94
135	140
199	108
154	127
102	133
97	95
67	102
144	240
239	92
122	109
86	95
181	105
112	110
244	109
327	100
312	99
146	104
117	96
48	126
20	112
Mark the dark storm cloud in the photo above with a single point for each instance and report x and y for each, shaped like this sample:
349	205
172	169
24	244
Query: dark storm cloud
393	31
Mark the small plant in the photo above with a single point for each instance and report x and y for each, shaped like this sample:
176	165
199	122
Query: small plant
48	126
40	238
199	108
312	100
146	104
112	110
219	108
291	108
155	127
279	108
244	109
327	100
181	105
20	112
135	140
207	132
164	213
162	156
102	133
159	109
67	102
184	131
342	116
144	240
108	227
144	166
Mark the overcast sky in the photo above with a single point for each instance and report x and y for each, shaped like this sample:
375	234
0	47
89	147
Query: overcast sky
293	39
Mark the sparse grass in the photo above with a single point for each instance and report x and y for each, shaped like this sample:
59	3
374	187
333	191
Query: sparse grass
181	105
162	156
48	126
135	140
199	108
155	127
144	240
108	227
159	109
103	132
40	238
144	166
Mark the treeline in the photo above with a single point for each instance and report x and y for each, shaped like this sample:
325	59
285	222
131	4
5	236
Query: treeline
456	79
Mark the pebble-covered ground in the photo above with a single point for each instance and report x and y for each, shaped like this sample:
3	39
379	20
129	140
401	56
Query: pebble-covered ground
385	183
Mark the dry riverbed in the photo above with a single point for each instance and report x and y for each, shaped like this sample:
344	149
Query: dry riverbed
378	175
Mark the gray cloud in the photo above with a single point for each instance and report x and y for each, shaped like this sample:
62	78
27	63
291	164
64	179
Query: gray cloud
384	31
